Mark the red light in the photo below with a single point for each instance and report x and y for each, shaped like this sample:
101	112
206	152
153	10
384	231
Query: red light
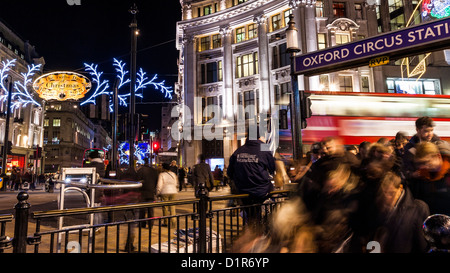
155	146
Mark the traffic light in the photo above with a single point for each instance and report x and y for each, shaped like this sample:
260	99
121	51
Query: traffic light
156	147
305	108
9	147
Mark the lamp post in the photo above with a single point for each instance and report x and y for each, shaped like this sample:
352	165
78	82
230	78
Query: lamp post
132	136
292	49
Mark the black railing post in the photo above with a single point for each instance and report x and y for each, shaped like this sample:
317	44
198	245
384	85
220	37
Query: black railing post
22	209
202	210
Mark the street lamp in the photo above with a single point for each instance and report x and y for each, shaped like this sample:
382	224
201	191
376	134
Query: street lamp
293	48
134	32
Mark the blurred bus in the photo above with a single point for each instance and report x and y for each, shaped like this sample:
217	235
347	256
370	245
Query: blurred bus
356	117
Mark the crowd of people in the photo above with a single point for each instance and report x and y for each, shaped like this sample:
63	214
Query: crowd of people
350	198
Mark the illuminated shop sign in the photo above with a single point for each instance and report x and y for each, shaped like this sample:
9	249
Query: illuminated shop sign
62	86
429	36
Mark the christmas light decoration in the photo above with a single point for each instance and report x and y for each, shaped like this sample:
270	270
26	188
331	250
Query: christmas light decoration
142	82
3	74
102	85
142	150
21	96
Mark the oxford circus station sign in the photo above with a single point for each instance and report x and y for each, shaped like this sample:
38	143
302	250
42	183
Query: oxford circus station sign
62	86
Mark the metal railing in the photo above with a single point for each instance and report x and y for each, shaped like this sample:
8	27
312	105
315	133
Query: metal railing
205	226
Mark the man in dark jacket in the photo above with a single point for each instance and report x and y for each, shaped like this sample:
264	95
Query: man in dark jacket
250	168
202	174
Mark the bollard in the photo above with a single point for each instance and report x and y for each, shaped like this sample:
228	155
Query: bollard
22	209
202	209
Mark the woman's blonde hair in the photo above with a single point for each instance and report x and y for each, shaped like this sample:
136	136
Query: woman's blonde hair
424	149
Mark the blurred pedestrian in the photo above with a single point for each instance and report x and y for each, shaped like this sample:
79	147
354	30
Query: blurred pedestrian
167	189
363	150
424	133
15	178
181	178
202	175
433	173
174	167
281	177
218	177
149	177
394	220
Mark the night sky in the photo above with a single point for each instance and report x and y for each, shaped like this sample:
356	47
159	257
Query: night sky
67	36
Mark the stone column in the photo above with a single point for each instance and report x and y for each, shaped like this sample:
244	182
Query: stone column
227	106
263	63
192	111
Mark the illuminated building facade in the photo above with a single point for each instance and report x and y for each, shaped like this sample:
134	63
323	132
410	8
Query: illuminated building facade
233	52
68	132
25	127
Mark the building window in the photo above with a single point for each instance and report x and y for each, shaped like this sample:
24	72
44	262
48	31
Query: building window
209	114
240	34
358	10
346	83
319	8
56	122
286	16
211	72
339	9
324	82
252	31
247	65
46	122
205	43
414	86
282	93
365	84
207	10
342	39
217	41
249	99
276	22
280	57
396	14
321	41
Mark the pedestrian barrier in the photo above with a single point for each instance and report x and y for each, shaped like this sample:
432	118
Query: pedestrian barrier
205	227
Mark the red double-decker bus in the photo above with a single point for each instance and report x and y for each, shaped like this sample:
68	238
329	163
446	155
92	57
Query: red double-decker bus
357	117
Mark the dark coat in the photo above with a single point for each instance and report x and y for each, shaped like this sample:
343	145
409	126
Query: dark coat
149	177
250	168
400	231
202	174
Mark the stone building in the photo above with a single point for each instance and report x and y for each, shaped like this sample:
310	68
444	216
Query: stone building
25	124
233	54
